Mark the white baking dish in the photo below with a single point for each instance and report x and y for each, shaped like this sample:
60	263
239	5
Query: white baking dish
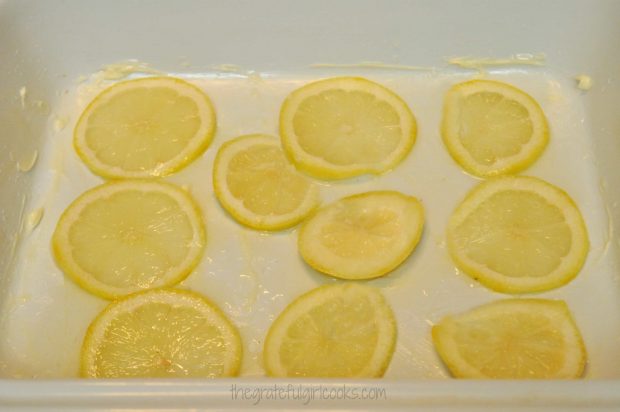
46	47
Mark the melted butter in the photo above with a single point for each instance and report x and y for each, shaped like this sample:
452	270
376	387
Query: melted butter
23	92
584	82
229	68
466	62
60	122
120	70
371	65
609	233
33	219
89	86
251	75
480	63
26	165
255	78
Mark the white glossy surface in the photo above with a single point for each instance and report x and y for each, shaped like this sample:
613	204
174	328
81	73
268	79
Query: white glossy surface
44	314
253	275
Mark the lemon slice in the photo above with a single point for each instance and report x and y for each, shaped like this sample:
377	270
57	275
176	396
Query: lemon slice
362	236
125	236
144	128
492	128
512	339
257	185
346	126
161	334
518	235
342	330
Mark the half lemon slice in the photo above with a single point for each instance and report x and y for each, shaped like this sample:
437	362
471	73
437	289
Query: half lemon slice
512	339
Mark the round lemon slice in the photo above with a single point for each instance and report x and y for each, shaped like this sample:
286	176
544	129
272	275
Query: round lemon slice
144	128
363	236
346	126
512	339
161	334
492	128
126	236
257	185
343	330
518	235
